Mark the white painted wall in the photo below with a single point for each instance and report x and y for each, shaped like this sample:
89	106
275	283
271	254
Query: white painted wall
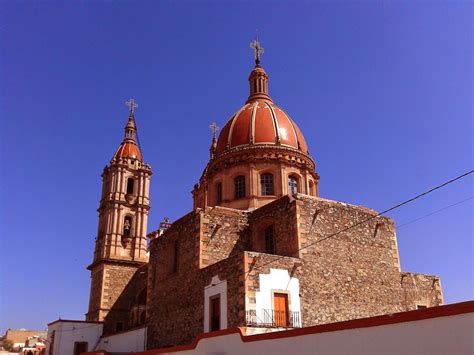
132	340
67	333
443	335
216	287
277	281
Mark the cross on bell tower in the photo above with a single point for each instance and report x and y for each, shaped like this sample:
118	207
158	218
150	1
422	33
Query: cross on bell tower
132	105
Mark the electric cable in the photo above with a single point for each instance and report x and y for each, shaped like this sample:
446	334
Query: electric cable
279	257
434	212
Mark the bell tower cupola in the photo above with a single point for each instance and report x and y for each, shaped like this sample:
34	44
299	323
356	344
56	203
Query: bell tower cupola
258	79
121	246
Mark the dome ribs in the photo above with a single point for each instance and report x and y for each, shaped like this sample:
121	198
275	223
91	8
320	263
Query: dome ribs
287	129
265	130
260	122
231	131
252	123
275	124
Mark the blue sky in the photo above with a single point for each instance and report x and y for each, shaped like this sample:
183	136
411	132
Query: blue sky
381	90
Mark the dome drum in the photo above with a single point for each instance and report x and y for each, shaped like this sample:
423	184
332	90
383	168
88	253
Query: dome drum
262	153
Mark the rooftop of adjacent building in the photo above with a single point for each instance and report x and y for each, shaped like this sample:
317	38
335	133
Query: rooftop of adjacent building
21	335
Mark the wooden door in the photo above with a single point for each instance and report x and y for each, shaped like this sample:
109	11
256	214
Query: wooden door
280	317
215	308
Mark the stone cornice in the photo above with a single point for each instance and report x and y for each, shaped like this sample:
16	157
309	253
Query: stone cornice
258	153
138	264
104	202
124	164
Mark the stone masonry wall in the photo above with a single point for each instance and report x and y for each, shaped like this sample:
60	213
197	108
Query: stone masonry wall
109	279
121	308
353	274
176	300
174	307
282	215
342	275
223	233
421	290
97	276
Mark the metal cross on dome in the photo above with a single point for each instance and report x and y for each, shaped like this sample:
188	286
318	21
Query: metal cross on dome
257	49
214	128
132	105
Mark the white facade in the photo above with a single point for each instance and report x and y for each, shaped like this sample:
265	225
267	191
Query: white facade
64	334
216	288
278	281
128	341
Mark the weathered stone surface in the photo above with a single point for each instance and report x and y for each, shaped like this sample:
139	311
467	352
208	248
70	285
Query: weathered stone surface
343	275
128	292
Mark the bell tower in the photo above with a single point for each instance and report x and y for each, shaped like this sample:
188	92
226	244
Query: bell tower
120	247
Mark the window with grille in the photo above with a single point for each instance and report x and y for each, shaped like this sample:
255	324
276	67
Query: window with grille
239	183
266	181
269	240
292	185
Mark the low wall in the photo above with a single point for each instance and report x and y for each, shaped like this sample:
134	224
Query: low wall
437	330
129	341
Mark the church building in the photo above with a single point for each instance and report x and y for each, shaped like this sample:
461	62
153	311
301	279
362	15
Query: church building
260	248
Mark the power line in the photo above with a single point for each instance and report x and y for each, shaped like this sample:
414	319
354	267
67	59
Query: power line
370	218
391	208
434	212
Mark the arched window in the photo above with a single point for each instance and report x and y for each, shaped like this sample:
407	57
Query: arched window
130	183
239	183
219	193
266	182
269	240
127	226
292	185
311	188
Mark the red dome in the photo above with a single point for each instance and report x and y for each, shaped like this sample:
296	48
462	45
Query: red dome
128	149
260	122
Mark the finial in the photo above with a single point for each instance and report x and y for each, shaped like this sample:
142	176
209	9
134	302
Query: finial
132	105
214	128
213	148
257	49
